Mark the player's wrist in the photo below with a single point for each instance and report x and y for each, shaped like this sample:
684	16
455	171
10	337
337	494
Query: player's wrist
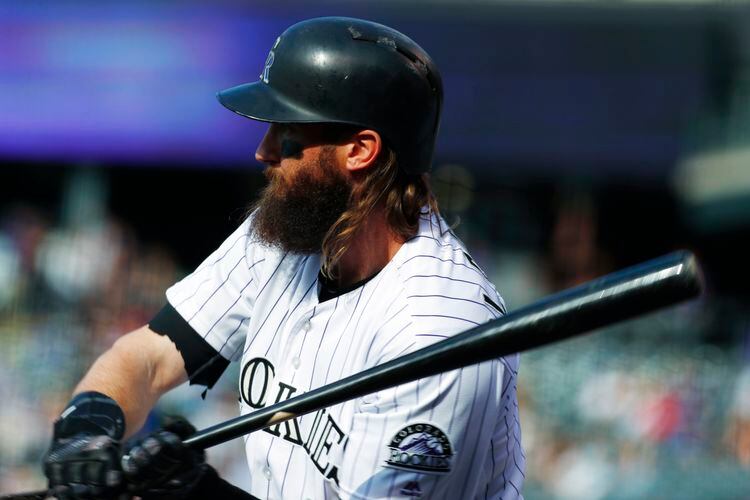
83	459
90	413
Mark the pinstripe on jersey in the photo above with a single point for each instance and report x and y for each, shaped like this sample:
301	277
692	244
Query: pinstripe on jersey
259	306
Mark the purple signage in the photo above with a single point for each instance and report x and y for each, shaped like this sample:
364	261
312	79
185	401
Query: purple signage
135	82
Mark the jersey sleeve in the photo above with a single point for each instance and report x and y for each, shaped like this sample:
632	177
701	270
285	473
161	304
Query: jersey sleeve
453	435
217	299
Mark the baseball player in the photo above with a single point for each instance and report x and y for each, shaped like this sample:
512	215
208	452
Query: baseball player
344	263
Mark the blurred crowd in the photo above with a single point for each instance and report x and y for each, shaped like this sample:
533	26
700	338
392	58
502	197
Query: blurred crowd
71	282
656	407
649	409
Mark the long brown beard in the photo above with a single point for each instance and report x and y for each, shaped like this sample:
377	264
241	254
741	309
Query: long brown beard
295	216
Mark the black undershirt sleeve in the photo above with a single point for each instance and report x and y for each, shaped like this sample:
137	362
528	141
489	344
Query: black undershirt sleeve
203	364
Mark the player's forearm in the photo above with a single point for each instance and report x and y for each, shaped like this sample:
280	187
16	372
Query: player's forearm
128	384
135	372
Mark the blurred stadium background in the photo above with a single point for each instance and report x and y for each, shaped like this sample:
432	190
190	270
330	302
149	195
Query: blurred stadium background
577	138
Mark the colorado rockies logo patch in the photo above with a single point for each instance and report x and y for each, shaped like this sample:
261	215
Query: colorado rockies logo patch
420	447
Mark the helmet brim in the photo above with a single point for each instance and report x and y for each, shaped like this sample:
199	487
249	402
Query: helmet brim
259	101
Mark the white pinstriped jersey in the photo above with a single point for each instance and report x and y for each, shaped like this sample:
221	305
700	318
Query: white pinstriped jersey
454	435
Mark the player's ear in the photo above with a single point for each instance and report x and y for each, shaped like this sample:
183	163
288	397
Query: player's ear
362	150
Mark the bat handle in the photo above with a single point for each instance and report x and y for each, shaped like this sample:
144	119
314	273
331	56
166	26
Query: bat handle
29	495
44	494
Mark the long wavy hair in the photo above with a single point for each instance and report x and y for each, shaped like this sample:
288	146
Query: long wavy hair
401	195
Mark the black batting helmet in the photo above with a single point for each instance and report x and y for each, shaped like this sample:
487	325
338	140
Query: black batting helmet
349	71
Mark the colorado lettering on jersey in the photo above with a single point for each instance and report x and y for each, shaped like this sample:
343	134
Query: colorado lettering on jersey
257	381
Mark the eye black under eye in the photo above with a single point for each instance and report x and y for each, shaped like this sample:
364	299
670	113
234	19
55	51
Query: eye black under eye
291	148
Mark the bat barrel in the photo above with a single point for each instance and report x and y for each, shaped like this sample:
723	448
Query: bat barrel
622	295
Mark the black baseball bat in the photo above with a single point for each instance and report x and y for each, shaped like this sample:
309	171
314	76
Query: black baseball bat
622	295
616	297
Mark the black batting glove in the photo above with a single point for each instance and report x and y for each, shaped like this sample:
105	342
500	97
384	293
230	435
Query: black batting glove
160	466
84	467
83	459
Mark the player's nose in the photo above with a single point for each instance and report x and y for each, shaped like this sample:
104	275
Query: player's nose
268	149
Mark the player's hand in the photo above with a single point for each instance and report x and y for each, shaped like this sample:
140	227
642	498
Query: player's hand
84	467
160	466
83	460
